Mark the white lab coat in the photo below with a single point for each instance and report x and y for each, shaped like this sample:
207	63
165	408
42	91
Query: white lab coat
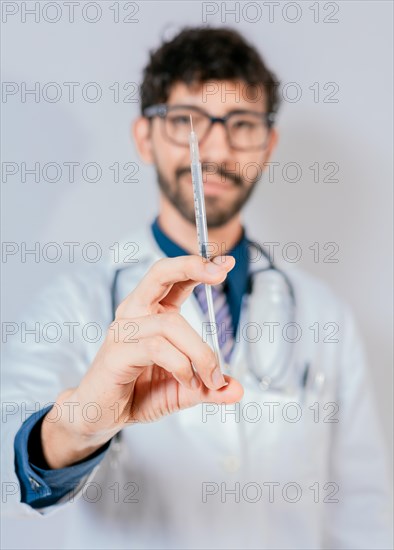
213	481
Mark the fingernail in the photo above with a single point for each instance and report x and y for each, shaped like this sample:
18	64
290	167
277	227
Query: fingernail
219	260
223	260
218	263
218	378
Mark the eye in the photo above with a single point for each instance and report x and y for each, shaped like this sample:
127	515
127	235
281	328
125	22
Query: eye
246	124
179	120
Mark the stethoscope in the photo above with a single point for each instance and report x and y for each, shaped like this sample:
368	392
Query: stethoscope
276	293
280	295
293	375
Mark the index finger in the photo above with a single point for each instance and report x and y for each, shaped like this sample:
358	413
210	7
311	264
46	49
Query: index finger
165	273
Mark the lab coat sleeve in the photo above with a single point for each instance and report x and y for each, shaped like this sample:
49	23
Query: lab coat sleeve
361	517
68	321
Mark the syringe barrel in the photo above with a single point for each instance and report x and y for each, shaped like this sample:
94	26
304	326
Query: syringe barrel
199	203
194	152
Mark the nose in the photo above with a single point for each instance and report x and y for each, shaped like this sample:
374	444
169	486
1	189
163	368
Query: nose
215	146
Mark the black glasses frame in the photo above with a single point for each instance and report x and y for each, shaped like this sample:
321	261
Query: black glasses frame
162	109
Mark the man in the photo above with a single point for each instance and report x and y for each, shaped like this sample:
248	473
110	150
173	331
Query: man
283	450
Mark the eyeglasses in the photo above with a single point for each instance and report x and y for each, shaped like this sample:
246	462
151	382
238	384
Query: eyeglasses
245	130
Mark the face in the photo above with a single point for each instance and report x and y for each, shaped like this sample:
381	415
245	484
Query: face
229	174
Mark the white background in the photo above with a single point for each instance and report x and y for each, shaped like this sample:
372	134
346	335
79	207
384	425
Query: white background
355	133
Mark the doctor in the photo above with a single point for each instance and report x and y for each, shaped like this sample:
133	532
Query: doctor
139	438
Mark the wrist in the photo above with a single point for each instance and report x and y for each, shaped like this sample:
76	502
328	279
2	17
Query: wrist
67	439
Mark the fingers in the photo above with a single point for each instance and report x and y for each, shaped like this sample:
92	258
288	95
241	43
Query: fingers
167	397
182	290
177	330
231	393
157	350
170	342
184	272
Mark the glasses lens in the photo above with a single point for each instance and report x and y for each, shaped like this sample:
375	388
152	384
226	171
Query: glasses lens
177	124
247	130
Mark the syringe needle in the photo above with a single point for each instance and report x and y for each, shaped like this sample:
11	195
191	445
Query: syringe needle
191	122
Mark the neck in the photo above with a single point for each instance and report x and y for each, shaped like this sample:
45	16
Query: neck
183	233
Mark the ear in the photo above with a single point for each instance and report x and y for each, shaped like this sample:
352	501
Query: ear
141	132
272	143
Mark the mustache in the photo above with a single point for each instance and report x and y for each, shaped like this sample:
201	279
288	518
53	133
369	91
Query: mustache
206	168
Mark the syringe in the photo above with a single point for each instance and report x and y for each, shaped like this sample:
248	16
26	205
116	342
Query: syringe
202	233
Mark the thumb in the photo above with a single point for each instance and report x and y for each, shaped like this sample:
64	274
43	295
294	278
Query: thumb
232	393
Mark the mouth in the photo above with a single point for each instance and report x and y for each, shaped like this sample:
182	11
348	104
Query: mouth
214	185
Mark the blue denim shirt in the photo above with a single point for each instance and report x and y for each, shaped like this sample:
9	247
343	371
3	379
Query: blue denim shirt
41	486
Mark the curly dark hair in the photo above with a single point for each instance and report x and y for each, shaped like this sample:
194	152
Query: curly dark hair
200	54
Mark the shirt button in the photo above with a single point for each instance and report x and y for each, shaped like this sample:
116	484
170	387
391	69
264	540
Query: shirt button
34	483
231	464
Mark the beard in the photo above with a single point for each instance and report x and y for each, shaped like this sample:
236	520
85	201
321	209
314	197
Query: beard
218	213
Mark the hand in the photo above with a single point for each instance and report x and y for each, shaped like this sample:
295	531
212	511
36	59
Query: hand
143	371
